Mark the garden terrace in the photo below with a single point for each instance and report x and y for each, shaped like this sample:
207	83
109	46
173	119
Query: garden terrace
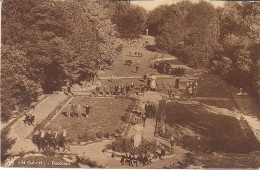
105	118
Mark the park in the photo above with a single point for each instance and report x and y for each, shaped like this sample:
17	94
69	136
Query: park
145	107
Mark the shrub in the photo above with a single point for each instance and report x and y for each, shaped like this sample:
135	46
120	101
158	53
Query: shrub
49	152
87	161
121	145
100	135
93	137
107	135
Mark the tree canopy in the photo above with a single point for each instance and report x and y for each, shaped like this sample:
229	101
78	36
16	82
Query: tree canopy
45	44
224	41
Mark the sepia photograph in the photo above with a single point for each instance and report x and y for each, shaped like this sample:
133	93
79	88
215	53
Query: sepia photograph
121	84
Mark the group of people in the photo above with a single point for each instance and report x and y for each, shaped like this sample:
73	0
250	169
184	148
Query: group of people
191	89
143	158
29	117
150	110
133	160
76	110
118	89
51	139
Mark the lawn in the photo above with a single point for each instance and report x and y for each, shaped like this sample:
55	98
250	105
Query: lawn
105	117
218	132
214	86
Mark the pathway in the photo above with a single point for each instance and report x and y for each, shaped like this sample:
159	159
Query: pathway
20	130
94	153
149	129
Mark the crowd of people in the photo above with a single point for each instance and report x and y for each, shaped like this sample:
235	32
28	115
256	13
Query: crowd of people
51	139
146	158
116	89
133	159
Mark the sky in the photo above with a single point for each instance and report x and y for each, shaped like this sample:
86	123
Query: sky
150	5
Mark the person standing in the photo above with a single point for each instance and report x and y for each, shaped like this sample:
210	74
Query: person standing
137	67
111	89
146	109
153	110
132	86
172	142
97	90
162	153
127	88
116	89
41	144
177	83
142	90
157	86
148	84
56	140
87	109
105	90
79	110
123	89
68	110
170	92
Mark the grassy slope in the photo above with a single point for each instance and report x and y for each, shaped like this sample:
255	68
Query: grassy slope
218	132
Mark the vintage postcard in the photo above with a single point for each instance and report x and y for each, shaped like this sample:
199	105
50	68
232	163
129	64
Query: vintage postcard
130	84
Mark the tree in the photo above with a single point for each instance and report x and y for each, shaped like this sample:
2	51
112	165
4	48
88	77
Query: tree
239	36
51	42
156	19
131	23
191	31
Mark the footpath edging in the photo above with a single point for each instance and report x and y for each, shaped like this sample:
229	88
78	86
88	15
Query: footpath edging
36	104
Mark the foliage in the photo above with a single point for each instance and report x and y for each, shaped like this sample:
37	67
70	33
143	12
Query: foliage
121	144
156	19
239	35
86	161
130	22
190	30
224	41
6	144
46	44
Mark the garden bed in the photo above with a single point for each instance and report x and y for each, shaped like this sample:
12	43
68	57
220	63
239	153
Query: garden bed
105	119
